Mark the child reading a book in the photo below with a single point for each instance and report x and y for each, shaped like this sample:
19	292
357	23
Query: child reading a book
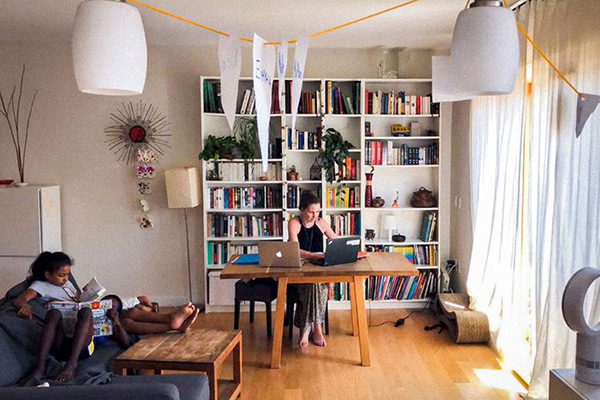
136	316
49	279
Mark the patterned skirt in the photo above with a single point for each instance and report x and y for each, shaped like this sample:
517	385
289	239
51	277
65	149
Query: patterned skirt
311	308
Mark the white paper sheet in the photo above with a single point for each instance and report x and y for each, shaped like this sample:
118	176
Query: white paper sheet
230	65
262	72
282	58
298	76
585	108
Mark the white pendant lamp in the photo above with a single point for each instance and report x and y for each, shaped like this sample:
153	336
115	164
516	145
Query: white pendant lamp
109	48
484	54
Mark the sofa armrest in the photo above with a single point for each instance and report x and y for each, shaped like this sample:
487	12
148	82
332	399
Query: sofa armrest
121	391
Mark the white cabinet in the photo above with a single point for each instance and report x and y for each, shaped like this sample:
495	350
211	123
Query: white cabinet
29	224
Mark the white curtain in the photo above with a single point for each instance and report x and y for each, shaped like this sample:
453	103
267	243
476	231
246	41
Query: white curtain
497	283
563	211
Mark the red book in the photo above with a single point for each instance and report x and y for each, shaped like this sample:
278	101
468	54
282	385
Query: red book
366	101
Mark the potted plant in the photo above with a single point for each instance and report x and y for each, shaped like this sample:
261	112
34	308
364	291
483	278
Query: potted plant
216	148
292	175
333	154
245	130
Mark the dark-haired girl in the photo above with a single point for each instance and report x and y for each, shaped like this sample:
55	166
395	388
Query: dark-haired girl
308	230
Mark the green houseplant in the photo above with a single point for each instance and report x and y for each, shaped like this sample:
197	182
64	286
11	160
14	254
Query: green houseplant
292	174
334	153
216	148
245	130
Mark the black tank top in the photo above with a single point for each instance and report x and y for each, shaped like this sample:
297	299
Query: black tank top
310	239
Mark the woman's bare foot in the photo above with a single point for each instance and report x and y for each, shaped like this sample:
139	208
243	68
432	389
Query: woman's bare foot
187	324
35	374
66	374
178	317
317	336
303	339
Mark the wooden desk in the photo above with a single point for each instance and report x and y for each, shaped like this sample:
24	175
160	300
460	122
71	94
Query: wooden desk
388	264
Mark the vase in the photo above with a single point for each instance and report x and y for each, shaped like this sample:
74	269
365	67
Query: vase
369	189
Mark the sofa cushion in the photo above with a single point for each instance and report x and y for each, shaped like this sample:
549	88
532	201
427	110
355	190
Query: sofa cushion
191	387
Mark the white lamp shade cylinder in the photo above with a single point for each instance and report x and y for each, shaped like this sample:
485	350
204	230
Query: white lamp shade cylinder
183	187
485	50
109	48
446	81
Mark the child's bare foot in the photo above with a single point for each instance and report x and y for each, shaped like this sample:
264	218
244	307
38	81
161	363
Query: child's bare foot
35	374
189	321
303	339
317	336
178	317
66	374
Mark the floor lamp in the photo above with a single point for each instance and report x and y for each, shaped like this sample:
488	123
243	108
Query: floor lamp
183	191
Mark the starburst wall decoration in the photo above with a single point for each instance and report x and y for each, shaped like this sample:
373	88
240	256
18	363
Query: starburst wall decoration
137	127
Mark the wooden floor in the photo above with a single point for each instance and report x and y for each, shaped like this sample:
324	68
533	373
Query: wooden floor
406	362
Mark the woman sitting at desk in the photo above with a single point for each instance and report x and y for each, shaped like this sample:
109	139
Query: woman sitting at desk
308	230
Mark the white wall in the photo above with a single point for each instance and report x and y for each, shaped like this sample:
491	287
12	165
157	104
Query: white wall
461	235
99	196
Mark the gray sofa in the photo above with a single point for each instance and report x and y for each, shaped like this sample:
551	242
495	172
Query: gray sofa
93	380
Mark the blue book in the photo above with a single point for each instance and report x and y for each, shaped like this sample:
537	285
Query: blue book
247	259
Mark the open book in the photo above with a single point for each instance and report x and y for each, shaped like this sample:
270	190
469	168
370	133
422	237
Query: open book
69	309
93	291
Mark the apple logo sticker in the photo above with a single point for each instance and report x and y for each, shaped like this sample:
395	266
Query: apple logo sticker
278	254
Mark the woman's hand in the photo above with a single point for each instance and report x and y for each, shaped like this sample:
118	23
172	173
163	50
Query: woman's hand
317	256
25	312
113	315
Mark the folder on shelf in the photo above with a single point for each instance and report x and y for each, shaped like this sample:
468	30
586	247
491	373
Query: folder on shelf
246	259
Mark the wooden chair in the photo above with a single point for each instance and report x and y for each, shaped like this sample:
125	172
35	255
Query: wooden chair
263	290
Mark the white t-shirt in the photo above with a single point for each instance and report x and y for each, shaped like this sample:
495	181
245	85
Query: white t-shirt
129	302
49	291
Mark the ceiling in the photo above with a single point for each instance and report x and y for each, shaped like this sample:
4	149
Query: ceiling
426	24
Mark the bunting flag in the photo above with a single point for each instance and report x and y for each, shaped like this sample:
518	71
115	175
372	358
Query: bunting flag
585	107
263	68
282	57
298	75
230	65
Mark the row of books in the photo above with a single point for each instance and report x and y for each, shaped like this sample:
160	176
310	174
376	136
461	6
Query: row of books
399	103
310	102
302	140
242	198
428	225
338	291
218	253
418	254
342	197
212	99
345	224
265	225
348	170
295	192
238	171
384	153
402	287
339	103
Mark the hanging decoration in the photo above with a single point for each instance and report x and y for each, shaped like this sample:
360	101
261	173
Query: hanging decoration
586	105
145	170
136	127
230	65
263	69
297	76
282	57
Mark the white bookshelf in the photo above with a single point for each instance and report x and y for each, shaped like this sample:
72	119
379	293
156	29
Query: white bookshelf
387	178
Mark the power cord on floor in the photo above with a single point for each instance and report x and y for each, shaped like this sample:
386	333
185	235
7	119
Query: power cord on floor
400	321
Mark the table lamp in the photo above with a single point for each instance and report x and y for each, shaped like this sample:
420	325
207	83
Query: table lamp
183	191
587	353
389	224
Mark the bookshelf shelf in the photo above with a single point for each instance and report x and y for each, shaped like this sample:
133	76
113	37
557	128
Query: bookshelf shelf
241	160
353	118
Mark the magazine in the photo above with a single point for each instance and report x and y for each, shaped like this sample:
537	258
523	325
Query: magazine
69	309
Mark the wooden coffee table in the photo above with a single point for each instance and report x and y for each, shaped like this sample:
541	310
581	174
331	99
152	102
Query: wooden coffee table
198	350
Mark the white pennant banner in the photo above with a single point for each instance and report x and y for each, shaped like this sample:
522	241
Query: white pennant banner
230	65
282	58
298	76
263	68
585	108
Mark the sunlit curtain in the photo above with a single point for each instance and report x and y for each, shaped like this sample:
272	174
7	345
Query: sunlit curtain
497	283
563	211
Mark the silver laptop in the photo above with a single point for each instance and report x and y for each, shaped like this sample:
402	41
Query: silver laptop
279	254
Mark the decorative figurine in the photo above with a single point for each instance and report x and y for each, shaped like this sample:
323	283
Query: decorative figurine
395	203
370	234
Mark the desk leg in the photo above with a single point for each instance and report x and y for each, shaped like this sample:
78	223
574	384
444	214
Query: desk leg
353	310
213	385
361	315
278	329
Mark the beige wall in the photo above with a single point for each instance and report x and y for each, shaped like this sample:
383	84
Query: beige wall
461	235
99	196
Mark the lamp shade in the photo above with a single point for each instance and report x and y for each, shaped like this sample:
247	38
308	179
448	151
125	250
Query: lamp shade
183	187
390	222
447	81
109	48
485	49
